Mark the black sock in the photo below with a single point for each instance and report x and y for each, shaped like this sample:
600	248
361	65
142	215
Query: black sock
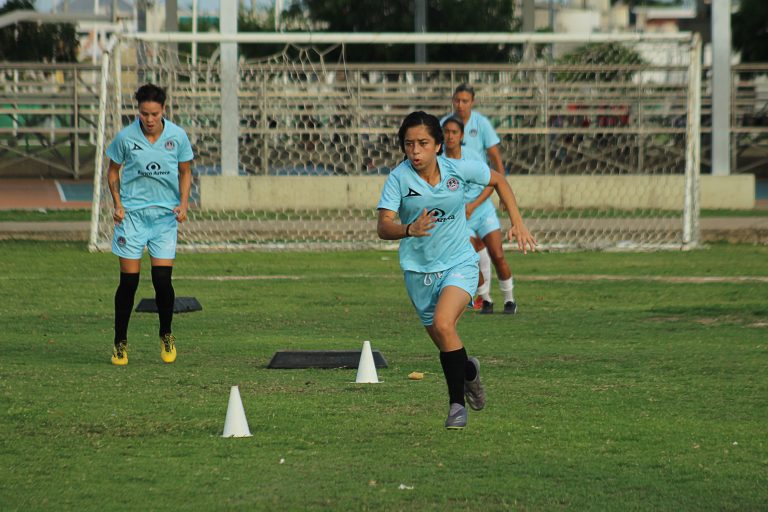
470	371
164	297
454	364
126	291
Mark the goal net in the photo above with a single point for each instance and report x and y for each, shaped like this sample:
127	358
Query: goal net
599	135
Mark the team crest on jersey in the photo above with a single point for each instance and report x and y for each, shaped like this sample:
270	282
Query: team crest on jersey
473	132
452	184
169	145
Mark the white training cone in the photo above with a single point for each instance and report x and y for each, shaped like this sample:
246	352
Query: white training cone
366	368
235	425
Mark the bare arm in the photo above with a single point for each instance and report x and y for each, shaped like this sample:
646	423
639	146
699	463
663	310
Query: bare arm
524	238
494	159
388	229
113	180
185	185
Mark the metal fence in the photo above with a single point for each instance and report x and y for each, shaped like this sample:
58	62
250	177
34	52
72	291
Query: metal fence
49	112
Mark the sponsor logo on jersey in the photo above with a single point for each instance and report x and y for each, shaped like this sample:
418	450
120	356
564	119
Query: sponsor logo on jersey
169	145
453	184
136	147
412	193
153	169
439	215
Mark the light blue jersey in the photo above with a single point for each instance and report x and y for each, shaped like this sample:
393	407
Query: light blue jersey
406	193
150	174
479	134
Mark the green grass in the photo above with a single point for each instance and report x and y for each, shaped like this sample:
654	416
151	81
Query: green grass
85	215
44	215
602	395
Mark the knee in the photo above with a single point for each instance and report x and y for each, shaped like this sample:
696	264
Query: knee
129	282
497	255
161	277
444	326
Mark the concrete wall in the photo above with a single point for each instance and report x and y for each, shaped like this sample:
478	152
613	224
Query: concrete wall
735	192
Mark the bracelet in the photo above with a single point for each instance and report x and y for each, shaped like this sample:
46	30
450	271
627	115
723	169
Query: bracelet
407	229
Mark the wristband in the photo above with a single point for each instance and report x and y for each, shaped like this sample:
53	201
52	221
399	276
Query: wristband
407	229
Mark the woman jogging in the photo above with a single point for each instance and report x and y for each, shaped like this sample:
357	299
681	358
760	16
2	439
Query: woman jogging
480	136
482	219
150	196
440	266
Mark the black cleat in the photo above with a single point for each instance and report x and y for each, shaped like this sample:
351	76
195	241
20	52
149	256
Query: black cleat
510	308
487	308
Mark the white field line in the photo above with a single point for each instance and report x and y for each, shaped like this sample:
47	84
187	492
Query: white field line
555	277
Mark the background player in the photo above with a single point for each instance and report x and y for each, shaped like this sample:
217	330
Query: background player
482	219
440	266
480	136
150	196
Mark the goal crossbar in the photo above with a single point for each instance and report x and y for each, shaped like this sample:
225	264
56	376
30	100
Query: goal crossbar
400	37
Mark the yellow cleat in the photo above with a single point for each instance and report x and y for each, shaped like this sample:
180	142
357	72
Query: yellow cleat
120	354
168	348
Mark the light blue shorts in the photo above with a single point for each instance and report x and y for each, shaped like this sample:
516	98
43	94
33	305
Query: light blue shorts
483	221
424	289
154	228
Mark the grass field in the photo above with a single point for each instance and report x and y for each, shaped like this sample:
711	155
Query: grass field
626	382
84	215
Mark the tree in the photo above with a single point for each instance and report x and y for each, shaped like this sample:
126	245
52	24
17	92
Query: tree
750	30
398	16
246	22
36	42
600	54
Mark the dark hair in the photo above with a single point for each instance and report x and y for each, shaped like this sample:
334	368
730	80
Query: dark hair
465	87
150	92
455	120
419	118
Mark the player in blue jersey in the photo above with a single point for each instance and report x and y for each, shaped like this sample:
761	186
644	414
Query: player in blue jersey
151	197
480	136
426	191
482	219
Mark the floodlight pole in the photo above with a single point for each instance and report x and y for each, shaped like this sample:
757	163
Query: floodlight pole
420	26
230	129
721	87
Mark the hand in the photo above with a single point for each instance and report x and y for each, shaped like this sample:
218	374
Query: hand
181	213
470	210
118	214
524	238
422	225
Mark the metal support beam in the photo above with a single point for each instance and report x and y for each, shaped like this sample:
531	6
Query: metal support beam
48	17
230	119
420	26
721	87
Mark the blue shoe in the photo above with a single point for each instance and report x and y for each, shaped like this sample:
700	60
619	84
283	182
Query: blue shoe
457	417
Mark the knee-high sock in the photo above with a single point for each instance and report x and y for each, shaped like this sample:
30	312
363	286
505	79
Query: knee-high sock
164	297
484	290
124	296
454	364
508	288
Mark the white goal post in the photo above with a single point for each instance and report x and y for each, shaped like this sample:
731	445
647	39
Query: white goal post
600	134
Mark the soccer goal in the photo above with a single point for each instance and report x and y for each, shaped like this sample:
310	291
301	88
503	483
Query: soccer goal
599	133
